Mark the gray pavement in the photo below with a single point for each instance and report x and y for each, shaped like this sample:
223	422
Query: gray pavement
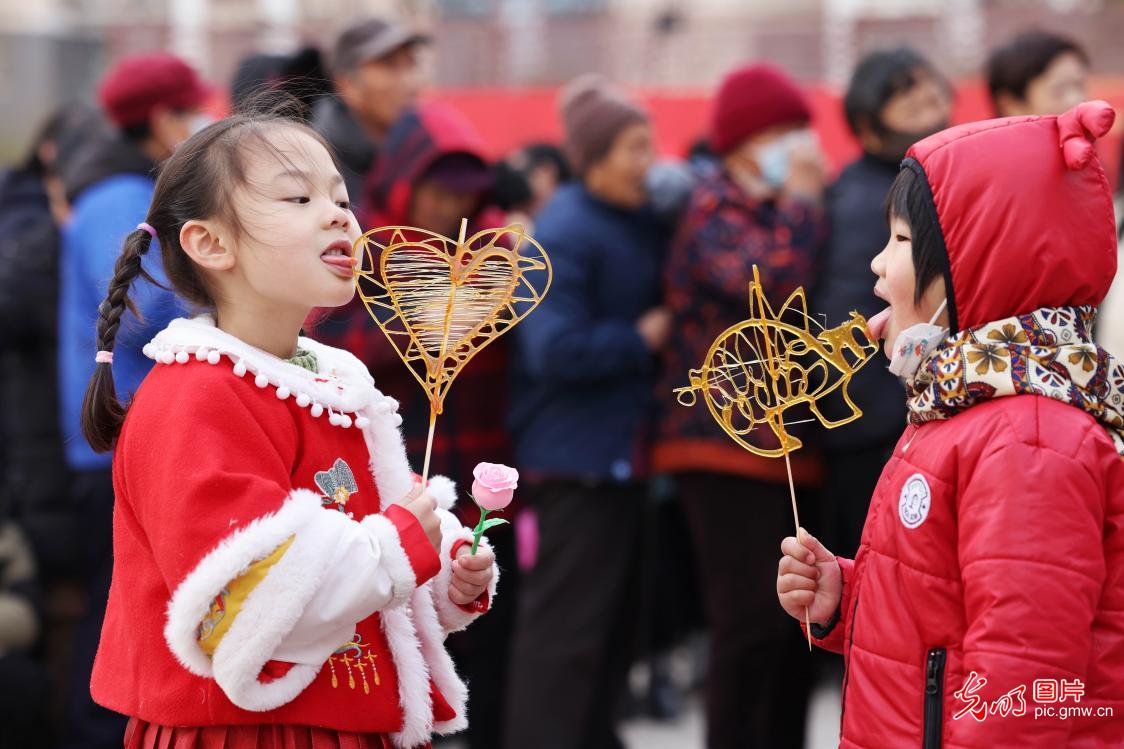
687	733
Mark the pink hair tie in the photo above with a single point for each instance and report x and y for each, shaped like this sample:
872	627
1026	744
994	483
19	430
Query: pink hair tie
145	226
104	357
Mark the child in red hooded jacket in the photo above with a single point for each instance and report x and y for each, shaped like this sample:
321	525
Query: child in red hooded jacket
985	606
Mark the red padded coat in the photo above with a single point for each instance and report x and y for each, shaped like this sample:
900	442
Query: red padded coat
1016	569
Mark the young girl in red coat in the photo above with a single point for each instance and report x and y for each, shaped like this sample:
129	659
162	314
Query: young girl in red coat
278	579
985	607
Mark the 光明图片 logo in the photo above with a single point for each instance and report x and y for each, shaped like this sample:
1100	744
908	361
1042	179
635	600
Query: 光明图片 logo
1049	695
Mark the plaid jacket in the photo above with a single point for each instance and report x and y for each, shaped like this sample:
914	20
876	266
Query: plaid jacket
471	428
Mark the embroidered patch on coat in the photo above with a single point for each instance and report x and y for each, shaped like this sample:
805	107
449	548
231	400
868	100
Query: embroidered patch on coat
913	506
355	656
337	485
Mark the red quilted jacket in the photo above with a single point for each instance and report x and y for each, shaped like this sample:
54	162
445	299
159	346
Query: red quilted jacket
994	545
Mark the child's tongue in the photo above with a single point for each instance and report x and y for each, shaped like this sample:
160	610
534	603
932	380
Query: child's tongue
876	325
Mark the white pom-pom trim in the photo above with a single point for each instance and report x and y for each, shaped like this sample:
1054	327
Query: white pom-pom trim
384	406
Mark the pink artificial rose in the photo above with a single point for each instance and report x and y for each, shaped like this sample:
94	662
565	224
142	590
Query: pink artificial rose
494	486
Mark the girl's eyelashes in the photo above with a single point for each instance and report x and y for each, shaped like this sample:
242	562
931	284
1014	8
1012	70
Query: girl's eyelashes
305	200
901	238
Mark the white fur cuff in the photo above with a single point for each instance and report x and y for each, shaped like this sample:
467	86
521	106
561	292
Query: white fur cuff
271	609
452	617
394	558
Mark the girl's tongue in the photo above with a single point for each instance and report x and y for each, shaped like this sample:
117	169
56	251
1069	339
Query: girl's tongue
876	325
342	265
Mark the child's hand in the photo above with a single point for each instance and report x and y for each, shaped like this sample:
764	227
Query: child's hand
808	577
424	508
471	574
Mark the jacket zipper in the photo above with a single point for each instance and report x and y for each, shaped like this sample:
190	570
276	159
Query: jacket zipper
934	698
847	671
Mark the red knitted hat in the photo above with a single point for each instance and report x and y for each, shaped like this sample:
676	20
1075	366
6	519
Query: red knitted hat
137	85
752	99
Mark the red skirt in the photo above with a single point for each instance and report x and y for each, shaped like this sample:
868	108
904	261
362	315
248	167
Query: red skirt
142	735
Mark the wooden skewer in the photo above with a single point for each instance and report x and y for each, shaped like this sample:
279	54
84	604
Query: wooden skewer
770	365
429	445
796	517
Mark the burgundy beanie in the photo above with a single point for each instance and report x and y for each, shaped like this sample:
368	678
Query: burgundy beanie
137	85
594	112
752	99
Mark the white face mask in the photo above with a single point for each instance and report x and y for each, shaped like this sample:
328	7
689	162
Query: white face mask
775	159
914	344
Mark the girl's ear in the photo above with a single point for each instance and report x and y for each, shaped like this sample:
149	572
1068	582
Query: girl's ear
203	244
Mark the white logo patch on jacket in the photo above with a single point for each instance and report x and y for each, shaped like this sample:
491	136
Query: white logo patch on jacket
913	506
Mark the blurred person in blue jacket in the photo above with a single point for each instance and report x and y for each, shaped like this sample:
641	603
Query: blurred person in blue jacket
581	411
154	102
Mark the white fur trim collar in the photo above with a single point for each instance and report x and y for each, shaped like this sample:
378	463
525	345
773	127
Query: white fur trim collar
342	388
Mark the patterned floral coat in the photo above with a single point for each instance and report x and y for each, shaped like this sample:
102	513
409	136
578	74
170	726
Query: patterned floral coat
724	233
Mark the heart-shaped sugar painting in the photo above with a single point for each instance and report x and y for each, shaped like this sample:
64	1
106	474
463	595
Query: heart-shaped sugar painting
440	302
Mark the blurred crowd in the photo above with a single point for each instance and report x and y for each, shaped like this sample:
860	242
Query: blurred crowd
630	496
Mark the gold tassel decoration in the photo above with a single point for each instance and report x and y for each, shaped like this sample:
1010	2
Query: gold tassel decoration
374	671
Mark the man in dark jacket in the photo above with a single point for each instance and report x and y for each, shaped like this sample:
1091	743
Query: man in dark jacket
375	71
895	99
582	407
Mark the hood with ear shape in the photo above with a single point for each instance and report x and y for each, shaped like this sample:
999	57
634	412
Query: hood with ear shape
1025	211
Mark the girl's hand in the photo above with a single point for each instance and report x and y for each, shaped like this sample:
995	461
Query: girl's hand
424	508
808	577
471	574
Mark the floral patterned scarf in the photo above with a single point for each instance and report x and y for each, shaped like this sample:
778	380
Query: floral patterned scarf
1047	352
